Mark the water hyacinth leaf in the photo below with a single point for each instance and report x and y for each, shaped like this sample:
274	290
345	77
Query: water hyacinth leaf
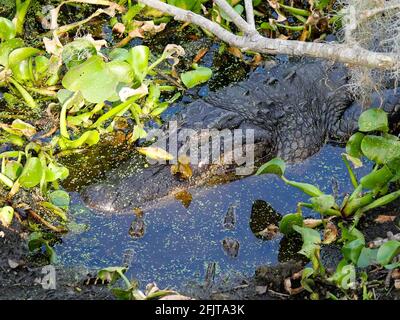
155	153
93	79
121	70
37	242
387	252
288	221
377	179
89	137
13	169
310	236
8	46
323	203
192	5
25	128
31	174
55	172
307	188
139	60
367	257
195	77
60	198
78	51
41	66
351	251
353	146
7	29
275	166
6	215
379	149
119	54
373	120
111	274
20	54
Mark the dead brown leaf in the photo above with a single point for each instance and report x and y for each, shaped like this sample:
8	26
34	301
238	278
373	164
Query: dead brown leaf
185	197
289	289
202	52
330	233
312	223
384	218
235	52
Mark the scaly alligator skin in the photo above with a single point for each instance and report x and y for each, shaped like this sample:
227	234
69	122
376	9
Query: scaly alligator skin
294	109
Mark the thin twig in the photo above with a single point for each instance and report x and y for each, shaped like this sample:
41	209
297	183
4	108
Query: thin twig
47	224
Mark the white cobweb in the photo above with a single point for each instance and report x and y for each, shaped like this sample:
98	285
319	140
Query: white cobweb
373	25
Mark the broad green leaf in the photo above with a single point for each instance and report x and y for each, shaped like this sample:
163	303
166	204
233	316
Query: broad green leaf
111	274
353	146
139	61
60	198
351	251
307	188
25	128
367	257
121	70
195	77
379	149
288	221
31	174
93	79
8	46
58	211
7	29
275	166
37	242
13	169
373	120
310	236
78	51
387	252
89	137
323	203
55	172
377	179
119	54
6	215
20	54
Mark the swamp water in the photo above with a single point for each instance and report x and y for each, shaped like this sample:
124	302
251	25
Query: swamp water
179	242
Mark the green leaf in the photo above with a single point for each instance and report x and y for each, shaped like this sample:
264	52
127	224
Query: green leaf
379	149
31	174
307	188
55	172
77	51
89	137
377	179
119	54
387	252
37	242
139	61
13	169
351	251
310	236
111	274
60	198
20	54
275	166
93	79
7	29
288	221
6	216
323	203
8	46
195	77
353	146
121	70
373	120
367	257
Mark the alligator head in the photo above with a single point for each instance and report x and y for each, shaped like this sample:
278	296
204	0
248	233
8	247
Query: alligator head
292	109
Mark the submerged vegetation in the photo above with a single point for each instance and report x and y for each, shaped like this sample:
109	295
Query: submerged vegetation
70	92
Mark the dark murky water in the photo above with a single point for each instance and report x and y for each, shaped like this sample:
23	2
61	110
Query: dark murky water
179	243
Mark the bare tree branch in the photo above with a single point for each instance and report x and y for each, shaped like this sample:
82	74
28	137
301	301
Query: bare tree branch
250	13
252	40
236	18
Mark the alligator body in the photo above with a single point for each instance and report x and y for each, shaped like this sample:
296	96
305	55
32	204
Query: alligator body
293	108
